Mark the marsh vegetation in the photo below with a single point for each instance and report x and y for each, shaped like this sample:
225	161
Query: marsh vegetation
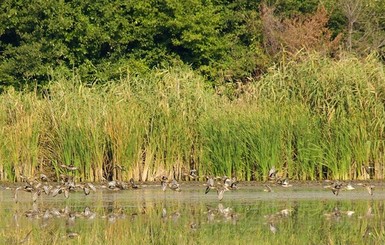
315	119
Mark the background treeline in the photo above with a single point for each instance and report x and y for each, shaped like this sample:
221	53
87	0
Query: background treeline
225	40
162	87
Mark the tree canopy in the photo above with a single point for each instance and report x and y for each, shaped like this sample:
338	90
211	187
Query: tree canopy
225	40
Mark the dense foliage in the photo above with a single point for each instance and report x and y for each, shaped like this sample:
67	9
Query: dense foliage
103	39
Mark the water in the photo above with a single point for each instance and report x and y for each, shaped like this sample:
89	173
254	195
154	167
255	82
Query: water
306	213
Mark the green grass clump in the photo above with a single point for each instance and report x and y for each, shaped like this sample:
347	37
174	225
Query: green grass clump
345	101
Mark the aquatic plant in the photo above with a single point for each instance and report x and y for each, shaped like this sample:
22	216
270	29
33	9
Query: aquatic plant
312	119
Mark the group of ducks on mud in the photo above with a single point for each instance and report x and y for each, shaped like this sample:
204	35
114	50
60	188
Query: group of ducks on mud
40	184
220	184
66	184
335	186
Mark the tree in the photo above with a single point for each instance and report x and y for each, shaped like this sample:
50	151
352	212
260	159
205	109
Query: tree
365	24
308	31
98	39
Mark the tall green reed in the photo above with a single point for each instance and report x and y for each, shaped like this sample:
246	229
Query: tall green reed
345	97
19	134
313	119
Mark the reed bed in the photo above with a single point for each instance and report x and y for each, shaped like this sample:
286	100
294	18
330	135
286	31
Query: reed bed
314	119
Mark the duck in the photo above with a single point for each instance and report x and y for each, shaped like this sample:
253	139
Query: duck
163	183
272	173
220	192
230	184
174	185
349	187
132	183
285	183
369	188
210	184
336	188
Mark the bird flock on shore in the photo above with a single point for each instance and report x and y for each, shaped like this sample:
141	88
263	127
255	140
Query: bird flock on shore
66	184
41	184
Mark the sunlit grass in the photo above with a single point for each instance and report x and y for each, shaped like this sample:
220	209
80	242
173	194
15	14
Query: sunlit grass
315	119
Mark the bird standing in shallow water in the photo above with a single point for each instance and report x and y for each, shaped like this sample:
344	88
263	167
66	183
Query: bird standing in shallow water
285	183
369	188
220	191
174	185
210	184
163	183
349	187
133	185
230	184
336	188
87	187
220	187
86	190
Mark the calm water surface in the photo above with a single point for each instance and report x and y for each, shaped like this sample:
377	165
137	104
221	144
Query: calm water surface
305	213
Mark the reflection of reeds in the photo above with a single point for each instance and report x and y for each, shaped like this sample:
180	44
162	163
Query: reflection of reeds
176	221
314	119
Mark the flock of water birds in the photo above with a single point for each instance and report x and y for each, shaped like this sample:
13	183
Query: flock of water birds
66	184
